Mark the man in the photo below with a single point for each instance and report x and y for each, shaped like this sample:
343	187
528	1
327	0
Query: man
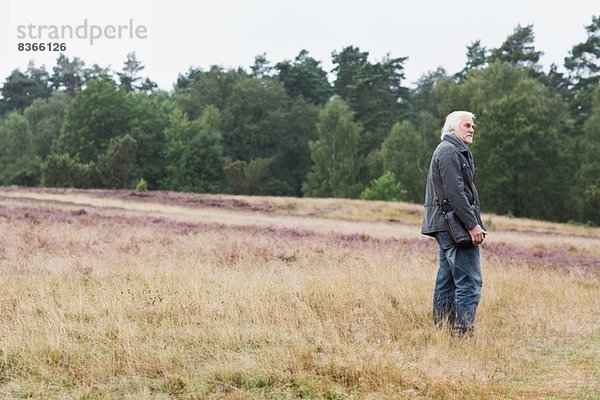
450	184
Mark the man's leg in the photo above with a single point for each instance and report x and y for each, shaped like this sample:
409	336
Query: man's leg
468	281
444	292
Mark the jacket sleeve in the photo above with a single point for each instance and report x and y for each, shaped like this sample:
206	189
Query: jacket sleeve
449	167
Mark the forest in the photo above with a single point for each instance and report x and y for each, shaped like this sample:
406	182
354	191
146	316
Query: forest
291	128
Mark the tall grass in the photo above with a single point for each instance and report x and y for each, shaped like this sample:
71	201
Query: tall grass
101	303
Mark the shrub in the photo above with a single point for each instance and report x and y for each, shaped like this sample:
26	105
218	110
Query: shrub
142	185
63	171
386	188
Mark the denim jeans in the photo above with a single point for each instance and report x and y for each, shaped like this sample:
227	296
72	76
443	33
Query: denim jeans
458	285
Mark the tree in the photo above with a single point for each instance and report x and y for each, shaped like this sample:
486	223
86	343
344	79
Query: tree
403	155
148	120
177	134
148	86
521	150
195	153
46	117
200	89
348	66
116	166
291	159
558	82
337	164
587	183
184	81
129	76
422	97
68	75
518	49
583	67
261	67
477	57
305	77
97	72
481	88
254	119
95	116
373	91
21	89
16	138
18	165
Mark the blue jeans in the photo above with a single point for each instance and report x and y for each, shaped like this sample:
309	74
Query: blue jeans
458	285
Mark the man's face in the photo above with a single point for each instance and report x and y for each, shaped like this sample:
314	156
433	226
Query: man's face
466	130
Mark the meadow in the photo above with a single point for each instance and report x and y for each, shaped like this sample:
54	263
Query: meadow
158	295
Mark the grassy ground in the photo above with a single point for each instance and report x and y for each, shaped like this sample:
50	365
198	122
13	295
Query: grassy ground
111	295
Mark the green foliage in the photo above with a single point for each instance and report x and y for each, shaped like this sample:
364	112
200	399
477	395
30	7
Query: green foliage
195	153
587	180
591	202
95	116
304	77
374	93
519	141
518	49
337	164
46	117
148	122
246	177
21	89
254	119
129	75
18	163
423	96
403	155
116	166
291	157
63	171
385	188
68	75
477	57
261	121
262	67
15	134
199	89
481	88
142	185
583	68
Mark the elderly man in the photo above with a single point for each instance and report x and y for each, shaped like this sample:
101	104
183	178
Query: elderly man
450	186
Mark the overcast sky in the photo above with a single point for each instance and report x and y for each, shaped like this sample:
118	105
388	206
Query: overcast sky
230	33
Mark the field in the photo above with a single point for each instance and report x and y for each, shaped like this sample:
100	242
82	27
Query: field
156	295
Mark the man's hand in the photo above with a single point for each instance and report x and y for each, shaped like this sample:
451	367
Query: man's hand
477	234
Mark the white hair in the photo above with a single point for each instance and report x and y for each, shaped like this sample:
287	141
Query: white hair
453	121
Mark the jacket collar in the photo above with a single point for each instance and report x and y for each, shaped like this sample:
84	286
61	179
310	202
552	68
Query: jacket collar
457	142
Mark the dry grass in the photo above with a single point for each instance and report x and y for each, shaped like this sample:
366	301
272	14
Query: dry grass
105	296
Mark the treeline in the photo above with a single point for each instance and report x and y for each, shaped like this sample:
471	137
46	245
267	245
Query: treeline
286	130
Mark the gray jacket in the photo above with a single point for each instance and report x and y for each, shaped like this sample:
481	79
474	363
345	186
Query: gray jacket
450	176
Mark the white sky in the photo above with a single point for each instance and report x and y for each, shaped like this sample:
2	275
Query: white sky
201	33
